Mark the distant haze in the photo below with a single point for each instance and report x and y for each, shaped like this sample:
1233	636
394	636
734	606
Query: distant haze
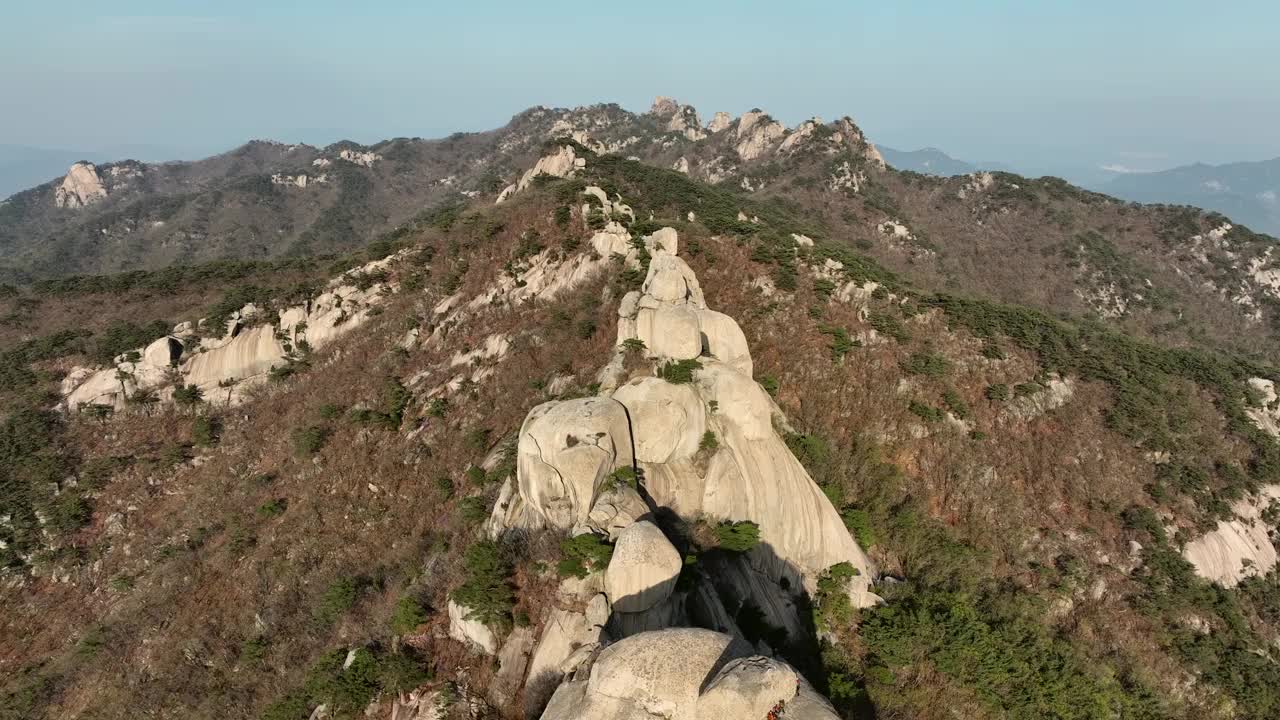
1065	87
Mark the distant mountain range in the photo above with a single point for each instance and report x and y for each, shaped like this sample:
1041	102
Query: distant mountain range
1248	192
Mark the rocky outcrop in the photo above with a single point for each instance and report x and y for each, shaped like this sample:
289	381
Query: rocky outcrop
682	119
224	368
81	187
568	450
721	121
756	134
301	180
569	637
249	355
359	157
616	463
1239	548
683	674
1266	414
753	475
561	163
798	136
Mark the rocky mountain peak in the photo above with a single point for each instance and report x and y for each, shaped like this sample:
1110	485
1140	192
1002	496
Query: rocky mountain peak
81	187
664	106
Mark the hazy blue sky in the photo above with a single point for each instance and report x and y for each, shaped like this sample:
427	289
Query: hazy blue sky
1138	83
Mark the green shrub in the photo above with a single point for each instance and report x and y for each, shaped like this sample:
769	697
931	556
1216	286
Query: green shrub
309	440
927	364
273	508
997	393
841	343
625	475
889	325
955	404
487	592
770	384
346	689
407	616
1010	662
338	598
583	554
445	486
859	524
925	412
187	395
739	536
394	400
206	431
474	509
438	407
475	475
833	609
679	372
708	442
253	650
1027	389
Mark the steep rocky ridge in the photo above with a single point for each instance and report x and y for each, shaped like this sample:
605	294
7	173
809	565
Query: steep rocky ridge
1024	487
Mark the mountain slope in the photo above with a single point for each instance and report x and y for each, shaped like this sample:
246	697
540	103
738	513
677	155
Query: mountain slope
1025	487
1030	490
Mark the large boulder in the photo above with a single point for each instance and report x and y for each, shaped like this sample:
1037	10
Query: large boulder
513	660
565	453
163	352
667	420
748	687
662	675
643	570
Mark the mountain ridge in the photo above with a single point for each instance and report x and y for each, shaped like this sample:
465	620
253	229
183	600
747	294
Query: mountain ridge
1030	485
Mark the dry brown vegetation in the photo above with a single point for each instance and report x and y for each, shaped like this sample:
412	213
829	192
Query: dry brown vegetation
192	553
